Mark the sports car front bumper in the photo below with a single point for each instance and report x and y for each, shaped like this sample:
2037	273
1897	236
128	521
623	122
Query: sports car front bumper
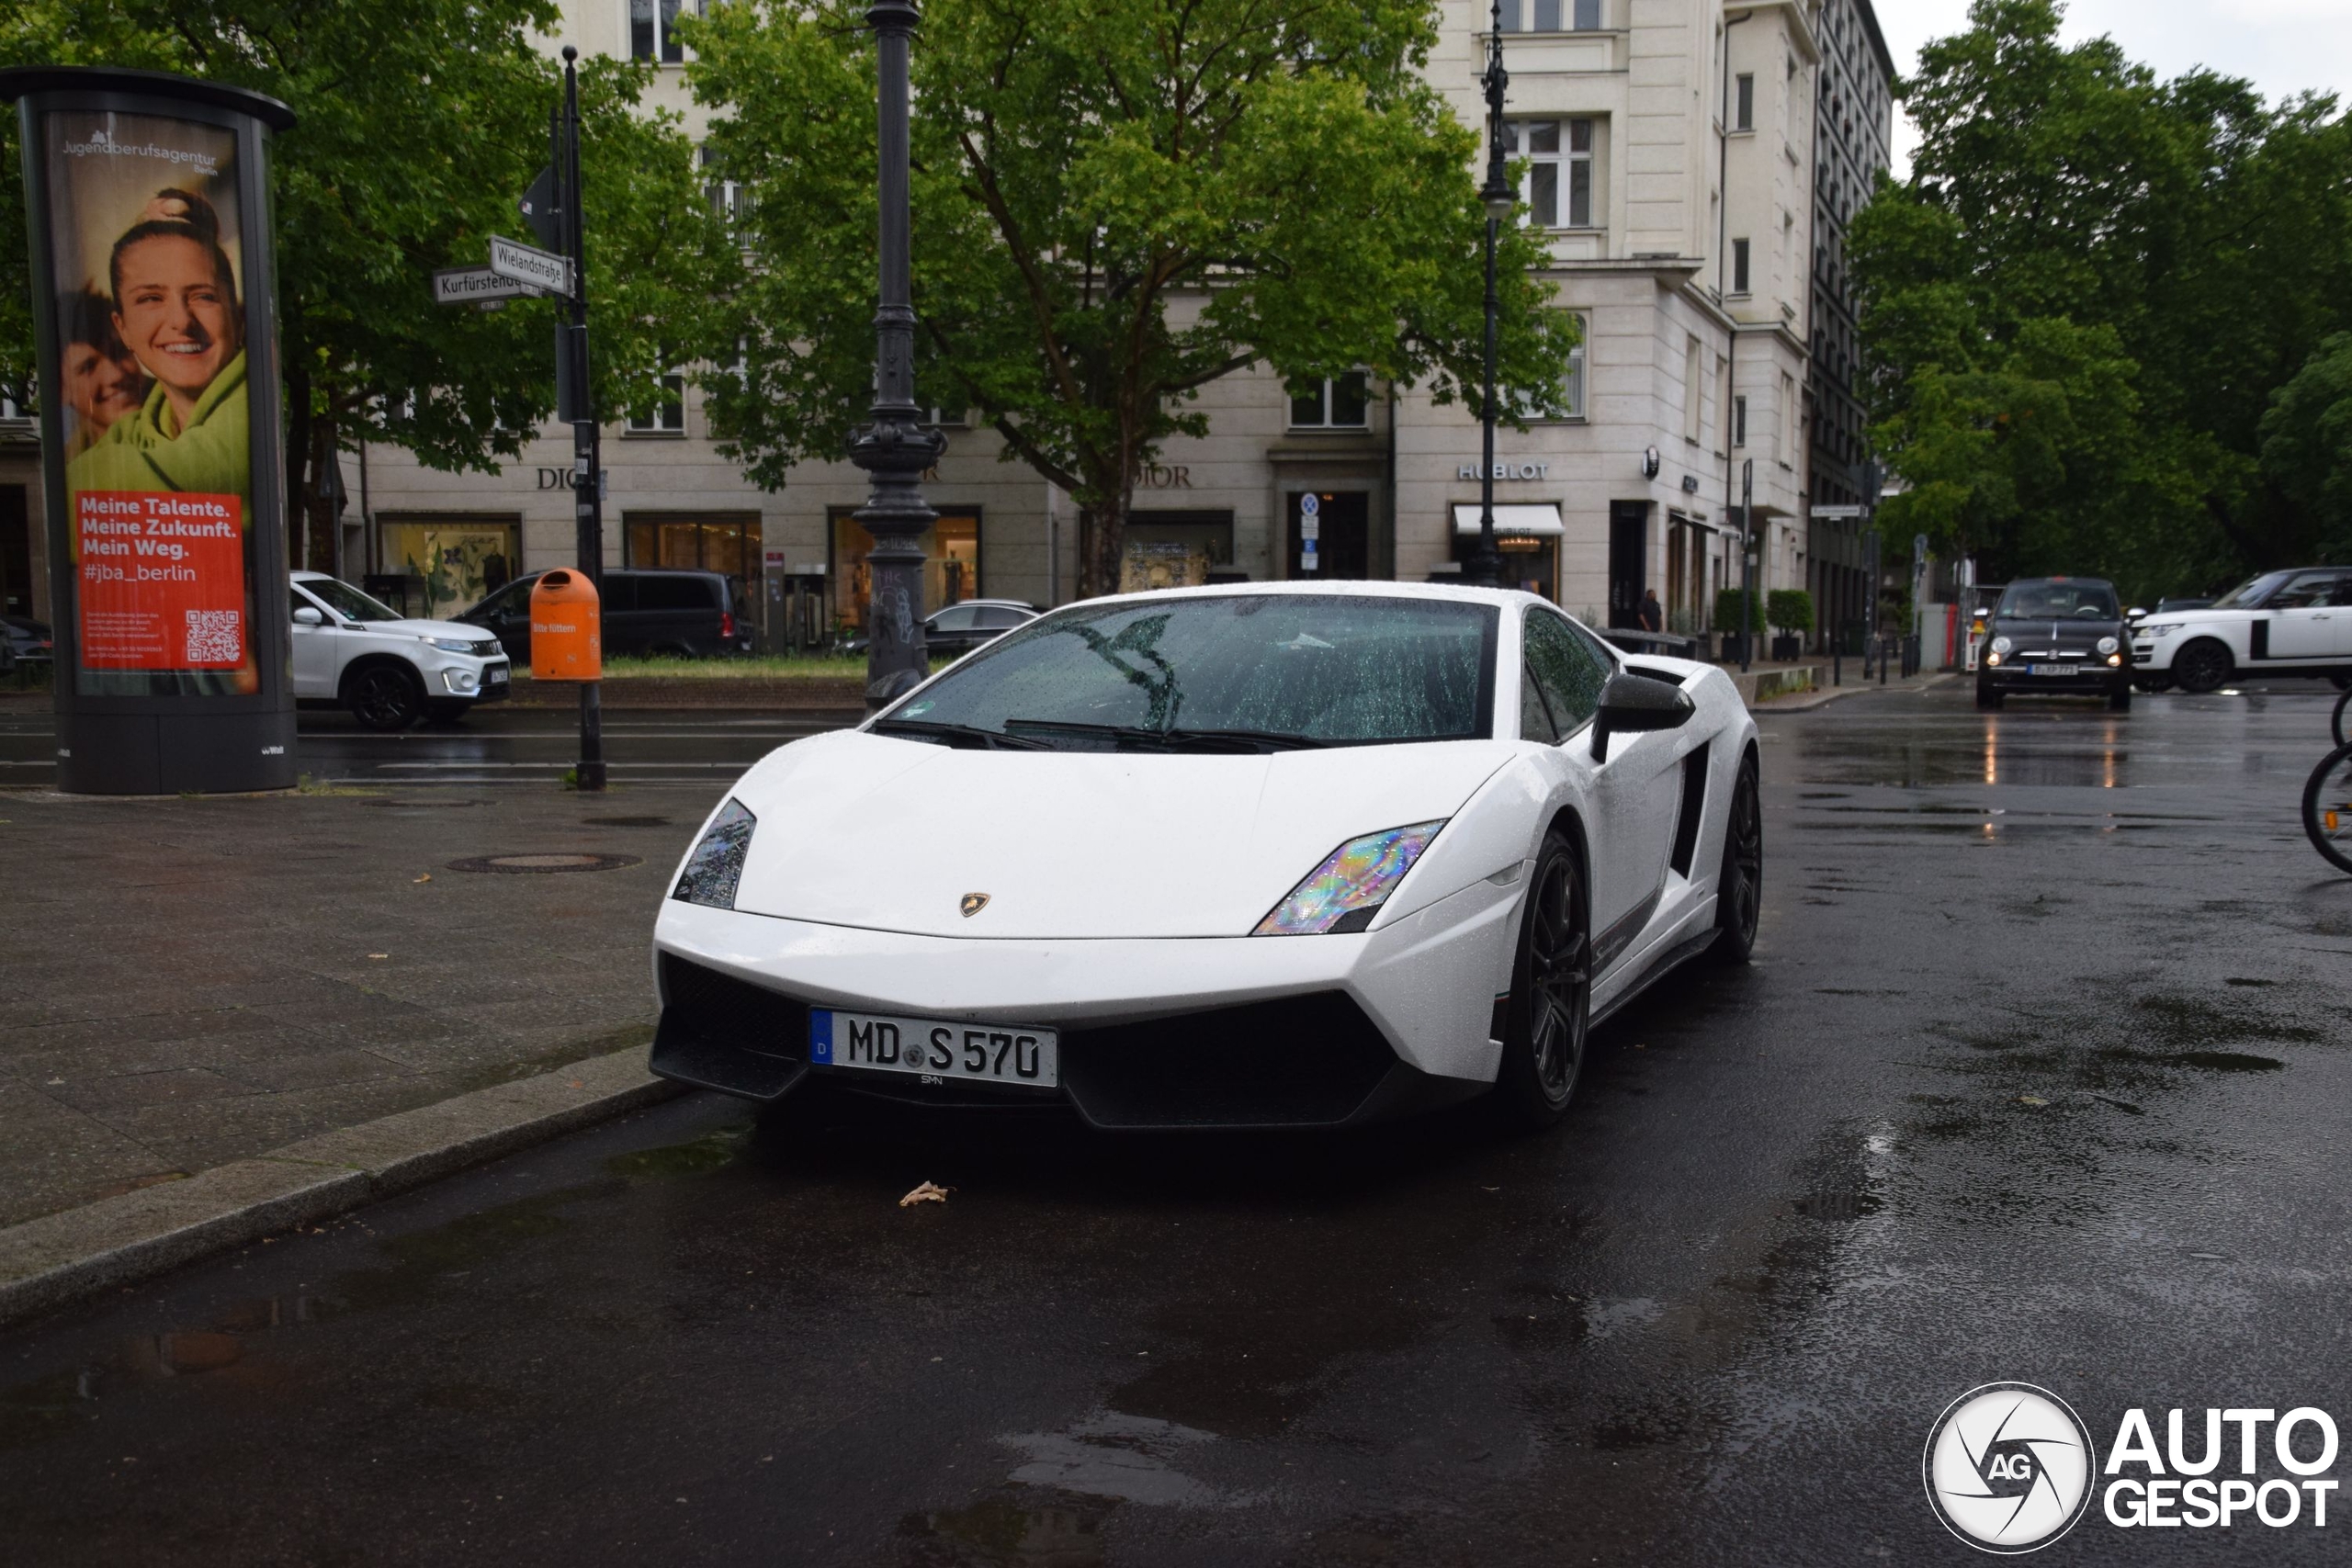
1221	1031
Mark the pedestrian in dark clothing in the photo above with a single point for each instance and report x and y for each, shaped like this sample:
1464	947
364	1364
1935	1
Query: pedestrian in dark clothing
1653	614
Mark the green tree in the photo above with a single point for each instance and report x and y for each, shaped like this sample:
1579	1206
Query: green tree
419	123
2307	446
1114	207
2077	306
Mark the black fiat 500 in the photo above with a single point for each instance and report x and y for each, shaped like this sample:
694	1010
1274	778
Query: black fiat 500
2056	637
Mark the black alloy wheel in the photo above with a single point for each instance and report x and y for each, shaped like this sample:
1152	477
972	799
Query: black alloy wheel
2203	666
2337	722
2327	808
1988	697
1739	884
2119	697
386	698
1551	996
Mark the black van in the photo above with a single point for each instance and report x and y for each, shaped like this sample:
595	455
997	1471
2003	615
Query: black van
686	614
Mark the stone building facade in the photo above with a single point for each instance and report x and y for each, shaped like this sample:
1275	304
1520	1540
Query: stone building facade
1852	147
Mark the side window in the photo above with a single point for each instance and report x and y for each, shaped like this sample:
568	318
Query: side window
956	619
1570	673
300	601
669	590
1534	719
1000	619
2308	590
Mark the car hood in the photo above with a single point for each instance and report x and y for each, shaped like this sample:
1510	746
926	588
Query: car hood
868	831
451	629
2060	634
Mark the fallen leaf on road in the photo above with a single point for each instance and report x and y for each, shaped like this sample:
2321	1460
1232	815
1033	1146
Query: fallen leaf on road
379	956
53	1082
929	1192
426	877
2032	1100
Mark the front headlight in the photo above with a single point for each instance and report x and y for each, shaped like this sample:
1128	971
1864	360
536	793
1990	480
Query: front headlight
2002	645
1346	891
717	864
2107	645
2160	630
455	645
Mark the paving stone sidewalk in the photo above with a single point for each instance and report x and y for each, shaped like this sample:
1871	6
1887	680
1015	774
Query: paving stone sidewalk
189	982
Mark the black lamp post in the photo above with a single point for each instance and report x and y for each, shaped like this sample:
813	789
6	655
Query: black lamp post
895	448
1486	565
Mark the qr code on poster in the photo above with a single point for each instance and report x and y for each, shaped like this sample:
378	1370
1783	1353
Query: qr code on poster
214	637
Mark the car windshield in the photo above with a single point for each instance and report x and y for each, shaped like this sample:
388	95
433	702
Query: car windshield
2252	592
346	601
1324	669
2059	602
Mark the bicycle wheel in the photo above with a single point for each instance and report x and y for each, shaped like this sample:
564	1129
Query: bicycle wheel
2327	808
2342	702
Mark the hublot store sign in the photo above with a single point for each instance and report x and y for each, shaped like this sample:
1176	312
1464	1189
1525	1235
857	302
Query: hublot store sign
1506	471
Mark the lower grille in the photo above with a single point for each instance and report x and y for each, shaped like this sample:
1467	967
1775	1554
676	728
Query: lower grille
720	1032
1299	1061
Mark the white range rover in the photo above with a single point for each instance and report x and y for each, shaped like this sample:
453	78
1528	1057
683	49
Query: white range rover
2297	622
390	671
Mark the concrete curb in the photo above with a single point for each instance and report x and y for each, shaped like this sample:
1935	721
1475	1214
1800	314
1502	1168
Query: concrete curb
59	1258
1807	702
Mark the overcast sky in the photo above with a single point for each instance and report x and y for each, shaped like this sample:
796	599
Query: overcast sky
2282	46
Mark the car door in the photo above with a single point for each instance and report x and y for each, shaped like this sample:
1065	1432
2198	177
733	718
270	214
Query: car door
2305	616
316	662
1634	793
506	615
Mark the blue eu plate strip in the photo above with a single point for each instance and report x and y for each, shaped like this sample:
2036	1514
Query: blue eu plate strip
821	1037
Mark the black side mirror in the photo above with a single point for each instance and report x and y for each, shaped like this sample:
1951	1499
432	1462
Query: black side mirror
1634	705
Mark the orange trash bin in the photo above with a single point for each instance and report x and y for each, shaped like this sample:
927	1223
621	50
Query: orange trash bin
567	641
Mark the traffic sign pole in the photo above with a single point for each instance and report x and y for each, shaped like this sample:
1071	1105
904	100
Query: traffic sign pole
588	505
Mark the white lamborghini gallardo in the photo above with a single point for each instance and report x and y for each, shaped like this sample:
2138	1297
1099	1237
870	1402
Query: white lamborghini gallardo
1257	856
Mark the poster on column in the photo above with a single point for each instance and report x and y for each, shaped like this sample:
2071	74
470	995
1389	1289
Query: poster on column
151	329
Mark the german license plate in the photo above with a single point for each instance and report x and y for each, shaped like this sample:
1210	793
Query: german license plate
494	680
2053	670
991	1053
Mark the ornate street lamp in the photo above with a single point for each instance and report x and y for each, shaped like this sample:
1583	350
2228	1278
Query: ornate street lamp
1486	565
895	448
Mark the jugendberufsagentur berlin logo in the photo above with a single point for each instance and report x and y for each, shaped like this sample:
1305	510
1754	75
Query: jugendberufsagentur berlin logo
2008	1467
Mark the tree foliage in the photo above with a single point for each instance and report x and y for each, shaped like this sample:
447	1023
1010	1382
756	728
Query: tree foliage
2307	446
1115	206
419	123
2077	308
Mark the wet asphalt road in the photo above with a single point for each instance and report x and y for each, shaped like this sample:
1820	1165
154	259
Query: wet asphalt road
2041	1076
494	745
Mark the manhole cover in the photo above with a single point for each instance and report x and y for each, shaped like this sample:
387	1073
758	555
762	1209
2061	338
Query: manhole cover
528	865
625	821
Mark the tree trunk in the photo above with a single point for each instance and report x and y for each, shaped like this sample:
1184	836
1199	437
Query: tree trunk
318	504
298	460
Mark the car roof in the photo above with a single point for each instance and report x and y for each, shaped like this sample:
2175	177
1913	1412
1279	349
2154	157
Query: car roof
2036	581
993	604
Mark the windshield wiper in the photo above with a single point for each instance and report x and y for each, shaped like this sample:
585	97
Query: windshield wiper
1174	739
969	737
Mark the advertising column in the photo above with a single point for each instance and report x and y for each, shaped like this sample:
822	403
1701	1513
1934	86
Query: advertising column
154	311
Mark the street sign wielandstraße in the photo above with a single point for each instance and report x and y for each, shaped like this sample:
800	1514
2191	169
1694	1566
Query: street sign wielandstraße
477	286
526	264
1836	511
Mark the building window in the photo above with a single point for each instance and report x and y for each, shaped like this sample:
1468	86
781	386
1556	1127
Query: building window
1572	383
1739	422
1692	392
1788	420
1739	267
1343	403
1551	147
668	417
1743	114
1546	16
725	196
652	30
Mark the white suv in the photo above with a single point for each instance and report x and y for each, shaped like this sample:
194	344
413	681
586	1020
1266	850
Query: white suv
389	671
2280	623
